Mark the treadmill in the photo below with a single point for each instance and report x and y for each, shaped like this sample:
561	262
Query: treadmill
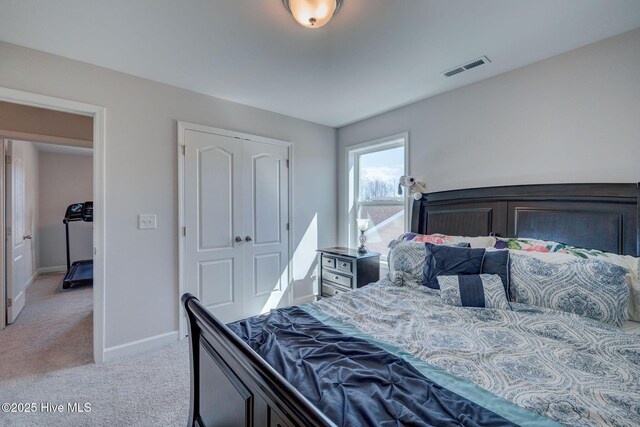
80	272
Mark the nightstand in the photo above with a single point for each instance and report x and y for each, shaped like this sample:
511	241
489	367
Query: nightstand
344	269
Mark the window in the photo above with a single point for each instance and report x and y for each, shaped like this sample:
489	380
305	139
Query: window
376	168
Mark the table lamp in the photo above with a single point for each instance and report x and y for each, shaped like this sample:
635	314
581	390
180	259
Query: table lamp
363	225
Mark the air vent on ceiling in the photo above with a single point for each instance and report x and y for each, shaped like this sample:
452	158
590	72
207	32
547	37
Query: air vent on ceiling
462	68
453	72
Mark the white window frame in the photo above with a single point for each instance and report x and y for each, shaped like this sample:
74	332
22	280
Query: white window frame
352	155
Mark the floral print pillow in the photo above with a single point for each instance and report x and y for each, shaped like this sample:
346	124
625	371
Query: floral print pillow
528	245
442	239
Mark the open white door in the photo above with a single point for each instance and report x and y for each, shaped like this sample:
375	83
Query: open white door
16	270
266	246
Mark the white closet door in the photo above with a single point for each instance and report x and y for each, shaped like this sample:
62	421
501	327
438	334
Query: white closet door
266	216
213	218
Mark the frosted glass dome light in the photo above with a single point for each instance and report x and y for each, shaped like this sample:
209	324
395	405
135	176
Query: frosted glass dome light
312	13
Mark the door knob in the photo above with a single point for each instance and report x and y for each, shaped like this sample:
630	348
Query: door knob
238	239
248	239
27	236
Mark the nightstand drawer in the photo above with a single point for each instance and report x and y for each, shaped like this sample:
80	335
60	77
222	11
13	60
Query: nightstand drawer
329	289
328	261
337	278
344	265
344	269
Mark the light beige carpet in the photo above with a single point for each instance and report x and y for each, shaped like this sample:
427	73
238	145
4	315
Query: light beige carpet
46	357
149	389
54	330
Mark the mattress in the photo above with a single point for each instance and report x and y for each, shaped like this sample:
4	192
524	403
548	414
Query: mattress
416	358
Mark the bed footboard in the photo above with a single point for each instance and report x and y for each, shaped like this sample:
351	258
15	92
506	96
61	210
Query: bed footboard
232	386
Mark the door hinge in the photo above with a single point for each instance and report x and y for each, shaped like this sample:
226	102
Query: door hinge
9	302
7	159
287	162
184	150
7	232
184	231
287	226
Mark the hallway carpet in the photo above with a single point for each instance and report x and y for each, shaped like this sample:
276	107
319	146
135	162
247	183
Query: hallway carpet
54	330
46	358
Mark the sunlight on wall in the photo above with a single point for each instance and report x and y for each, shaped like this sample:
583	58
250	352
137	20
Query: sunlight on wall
279	291
302	264
304	255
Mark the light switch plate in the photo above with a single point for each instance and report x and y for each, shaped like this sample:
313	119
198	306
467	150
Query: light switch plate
146	221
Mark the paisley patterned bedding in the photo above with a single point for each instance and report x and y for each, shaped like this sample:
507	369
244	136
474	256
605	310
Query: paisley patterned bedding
568	368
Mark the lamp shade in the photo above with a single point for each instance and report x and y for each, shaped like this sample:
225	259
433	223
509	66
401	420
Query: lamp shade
312	13
363	224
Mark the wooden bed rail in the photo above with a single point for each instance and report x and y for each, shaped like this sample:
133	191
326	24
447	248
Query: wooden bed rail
231	385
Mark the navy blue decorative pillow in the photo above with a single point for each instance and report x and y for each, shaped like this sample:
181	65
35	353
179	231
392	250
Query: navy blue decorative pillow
473	290
450	261
497	262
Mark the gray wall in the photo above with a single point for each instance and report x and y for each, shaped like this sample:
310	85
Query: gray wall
141	177
64	179
572	118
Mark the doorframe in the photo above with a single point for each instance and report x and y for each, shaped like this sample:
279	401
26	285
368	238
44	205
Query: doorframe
3	257
182	127
99	138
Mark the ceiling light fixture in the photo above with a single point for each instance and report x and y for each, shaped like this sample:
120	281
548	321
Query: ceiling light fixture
312	13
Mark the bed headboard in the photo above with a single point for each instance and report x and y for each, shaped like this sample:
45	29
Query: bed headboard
597	216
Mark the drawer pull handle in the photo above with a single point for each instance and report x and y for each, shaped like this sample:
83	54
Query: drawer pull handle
336	278
344	264
336	292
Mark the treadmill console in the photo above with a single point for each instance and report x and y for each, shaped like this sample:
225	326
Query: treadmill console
73	213
87	211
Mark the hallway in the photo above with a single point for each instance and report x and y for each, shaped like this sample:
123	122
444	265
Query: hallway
53	332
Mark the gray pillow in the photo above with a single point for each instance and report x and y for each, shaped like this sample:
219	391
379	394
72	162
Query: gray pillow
587	287
474	290
406	261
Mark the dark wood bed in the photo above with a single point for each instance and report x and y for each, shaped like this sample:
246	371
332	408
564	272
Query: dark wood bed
232	386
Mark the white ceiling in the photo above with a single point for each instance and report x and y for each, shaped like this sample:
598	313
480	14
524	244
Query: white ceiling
375	55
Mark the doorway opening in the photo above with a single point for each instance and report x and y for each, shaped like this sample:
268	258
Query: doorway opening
44	315
53	165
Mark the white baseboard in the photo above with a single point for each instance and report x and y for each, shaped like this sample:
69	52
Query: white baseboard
31	280
139	346
54	269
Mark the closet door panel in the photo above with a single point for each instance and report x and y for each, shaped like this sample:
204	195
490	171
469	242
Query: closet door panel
214	217
266	209
215	198
266	206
